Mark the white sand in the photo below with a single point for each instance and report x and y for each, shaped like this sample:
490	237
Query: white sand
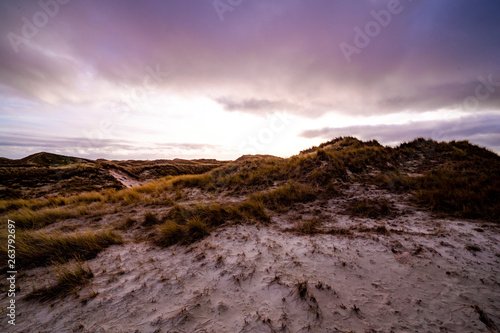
243	278
123	178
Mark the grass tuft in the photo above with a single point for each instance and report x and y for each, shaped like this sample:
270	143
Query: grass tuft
369	208
150	219
309	227
285	196
171	232
38	248
69	279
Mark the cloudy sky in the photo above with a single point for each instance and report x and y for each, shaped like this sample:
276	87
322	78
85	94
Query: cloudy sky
124	79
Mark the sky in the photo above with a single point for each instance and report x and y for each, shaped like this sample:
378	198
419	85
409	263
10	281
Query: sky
152	79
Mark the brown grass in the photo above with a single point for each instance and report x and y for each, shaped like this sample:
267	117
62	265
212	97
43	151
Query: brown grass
171	232
282	198
43	248
69	279
309	227
369	208
461	193
188	224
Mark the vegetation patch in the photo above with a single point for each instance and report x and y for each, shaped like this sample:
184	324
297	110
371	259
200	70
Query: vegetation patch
308	227
460	192
171	232
369	208
43	248
282	198
150	219
69	280
187	224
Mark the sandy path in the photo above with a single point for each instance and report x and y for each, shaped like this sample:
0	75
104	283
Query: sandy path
123	178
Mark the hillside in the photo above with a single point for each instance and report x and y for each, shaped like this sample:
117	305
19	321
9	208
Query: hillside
348	236
43	174
42	159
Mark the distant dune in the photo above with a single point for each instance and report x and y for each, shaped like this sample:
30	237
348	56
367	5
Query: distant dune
348	236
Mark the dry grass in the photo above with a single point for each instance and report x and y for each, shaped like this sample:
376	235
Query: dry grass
69	279
461	193
253	210
201	181
308	227
150	219
27	218
369	208
125	224
171	232
285	196
187	224
36	248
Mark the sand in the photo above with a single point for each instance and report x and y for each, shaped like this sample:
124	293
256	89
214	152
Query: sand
421	276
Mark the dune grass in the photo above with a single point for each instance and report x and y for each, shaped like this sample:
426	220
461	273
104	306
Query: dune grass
460	193
37	248
68	280
171	232
308	227
463	182
188	224
285	196
369	208
27	218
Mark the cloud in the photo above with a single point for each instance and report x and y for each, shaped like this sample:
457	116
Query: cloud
265	54
94	61
483	129
24	144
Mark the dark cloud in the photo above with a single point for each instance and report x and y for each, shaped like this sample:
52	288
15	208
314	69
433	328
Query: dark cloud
481	129
428	57
265	56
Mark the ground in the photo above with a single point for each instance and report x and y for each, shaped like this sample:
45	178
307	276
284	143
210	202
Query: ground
420	274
